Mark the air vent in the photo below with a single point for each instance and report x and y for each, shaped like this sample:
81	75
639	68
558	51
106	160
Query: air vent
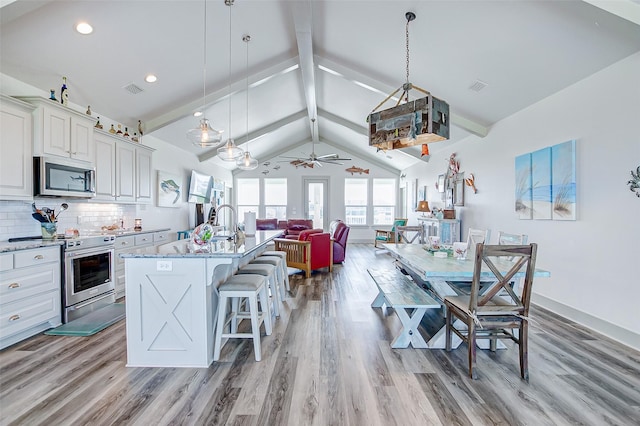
478	85
133	88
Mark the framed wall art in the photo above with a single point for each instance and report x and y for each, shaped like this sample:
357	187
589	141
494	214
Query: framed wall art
169	190
458	190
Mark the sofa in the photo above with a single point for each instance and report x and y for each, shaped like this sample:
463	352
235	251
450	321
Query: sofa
311	250
339	232
291	227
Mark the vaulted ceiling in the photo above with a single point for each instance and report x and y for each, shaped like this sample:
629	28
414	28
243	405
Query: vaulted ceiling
334	60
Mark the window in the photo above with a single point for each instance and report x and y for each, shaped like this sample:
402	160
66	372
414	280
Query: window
355	201
384	201
275	198
248	195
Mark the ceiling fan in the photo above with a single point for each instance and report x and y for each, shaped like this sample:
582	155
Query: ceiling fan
313	159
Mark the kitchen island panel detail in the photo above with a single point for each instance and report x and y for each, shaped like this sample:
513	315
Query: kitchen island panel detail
168	313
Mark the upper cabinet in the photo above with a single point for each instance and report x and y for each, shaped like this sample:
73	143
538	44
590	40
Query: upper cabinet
61	131
123	169
16	165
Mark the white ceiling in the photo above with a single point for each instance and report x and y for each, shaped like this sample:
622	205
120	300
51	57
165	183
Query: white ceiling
332	59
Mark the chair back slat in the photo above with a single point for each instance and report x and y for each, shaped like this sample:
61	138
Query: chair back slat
405	231
524	256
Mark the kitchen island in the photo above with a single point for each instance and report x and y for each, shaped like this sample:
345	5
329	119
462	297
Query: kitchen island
172	298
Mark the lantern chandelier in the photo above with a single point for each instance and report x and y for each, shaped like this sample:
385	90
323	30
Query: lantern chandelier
203	135
416	122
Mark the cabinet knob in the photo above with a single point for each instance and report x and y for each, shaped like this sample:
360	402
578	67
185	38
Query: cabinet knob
15	317
38	257
14	285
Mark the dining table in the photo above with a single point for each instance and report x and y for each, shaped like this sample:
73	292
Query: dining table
446	276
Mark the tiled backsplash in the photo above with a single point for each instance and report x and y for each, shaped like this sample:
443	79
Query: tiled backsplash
16	220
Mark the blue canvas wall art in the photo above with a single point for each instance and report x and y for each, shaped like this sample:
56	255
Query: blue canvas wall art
563	157
523	204
546	183
541	183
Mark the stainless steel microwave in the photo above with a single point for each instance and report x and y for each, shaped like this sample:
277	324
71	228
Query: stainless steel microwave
61	177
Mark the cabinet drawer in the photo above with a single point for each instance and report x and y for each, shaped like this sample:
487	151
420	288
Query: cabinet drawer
6	261
17	284
25	313
125	242
144	239
160	237
39	256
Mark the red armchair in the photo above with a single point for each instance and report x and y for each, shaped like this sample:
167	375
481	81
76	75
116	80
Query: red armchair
312	250
339	233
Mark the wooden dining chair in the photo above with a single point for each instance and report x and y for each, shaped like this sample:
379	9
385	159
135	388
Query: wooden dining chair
474	237
409	234
506	239
388	236
488	315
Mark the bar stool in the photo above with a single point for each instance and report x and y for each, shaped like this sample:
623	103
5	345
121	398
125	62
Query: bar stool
248	286
270	272
282	255
278	263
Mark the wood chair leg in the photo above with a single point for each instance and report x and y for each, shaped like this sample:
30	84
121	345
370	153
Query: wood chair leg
471	342
524	350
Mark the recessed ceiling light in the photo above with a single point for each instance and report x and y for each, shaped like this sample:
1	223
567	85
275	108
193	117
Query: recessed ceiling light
197	113
151	78
84	28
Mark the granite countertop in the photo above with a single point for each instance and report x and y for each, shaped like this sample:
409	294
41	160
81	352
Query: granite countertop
6	246
219	248
127	232
26	245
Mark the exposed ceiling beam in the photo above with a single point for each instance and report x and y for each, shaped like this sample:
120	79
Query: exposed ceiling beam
260	132
368	158
626	9
302	16
287	147
237	86
376	86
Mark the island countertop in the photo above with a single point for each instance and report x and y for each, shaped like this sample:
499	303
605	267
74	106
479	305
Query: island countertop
218	248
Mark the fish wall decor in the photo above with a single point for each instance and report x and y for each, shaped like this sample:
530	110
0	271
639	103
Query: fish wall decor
359	170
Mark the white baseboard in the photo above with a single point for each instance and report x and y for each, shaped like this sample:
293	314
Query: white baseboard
612	331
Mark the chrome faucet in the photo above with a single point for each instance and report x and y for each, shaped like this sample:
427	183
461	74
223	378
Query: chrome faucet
234	222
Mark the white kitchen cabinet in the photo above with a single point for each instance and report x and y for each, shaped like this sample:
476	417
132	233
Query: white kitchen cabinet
30	293
125	172
61	131
16	145
105	161
130	243
123	169
144	184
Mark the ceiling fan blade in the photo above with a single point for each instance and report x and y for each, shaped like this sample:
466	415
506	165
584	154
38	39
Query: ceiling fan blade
328	156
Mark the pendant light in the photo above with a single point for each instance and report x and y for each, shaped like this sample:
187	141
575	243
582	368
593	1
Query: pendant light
246	162
229	151
203	135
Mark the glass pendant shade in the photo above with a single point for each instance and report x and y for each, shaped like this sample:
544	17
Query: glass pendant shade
229	151
247	162
204	136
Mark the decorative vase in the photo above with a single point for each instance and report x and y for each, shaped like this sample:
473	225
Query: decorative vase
49	230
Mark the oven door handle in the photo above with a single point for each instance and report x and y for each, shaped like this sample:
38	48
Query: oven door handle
92	300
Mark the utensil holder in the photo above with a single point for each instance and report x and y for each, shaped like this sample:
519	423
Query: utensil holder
49	230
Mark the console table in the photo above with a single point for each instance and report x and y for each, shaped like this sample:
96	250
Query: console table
447	229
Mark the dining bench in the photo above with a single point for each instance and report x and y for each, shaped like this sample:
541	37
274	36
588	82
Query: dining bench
410	302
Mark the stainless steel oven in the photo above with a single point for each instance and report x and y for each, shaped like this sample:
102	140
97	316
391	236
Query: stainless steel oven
89	275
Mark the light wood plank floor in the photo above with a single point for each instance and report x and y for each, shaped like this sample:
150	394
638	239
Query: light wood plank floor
328	362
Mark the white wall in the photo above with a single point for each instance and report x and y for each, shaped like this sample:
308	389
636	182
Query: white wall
594	261
169	158
336	175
